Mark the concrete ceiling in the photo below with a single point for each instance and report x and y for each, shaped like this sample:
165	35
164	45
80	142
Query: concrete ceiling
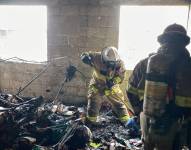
155	2
98	2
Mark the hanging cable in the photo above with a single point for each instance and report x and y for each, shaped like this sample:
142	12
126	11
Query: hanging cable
34	78
188	17
48	63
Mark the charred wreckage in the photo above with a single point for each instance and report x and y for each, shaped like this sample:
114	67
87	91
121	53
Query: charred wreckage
31	123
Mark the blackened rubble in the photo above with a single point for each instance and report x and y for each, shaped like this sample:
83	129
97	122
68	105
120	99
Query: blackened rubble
30	123
111	134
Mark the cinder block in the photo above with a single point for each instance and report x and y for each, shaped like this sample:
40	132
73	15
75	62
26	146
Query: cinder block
83	20
82	41
102	32
70	10
53	11
63	25
78	2
83	10
94	2
95	42
101	21
103	10
61	40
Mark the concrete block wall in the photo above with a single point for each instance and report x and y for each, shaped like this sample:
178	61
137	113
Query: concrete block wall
74	26
17	75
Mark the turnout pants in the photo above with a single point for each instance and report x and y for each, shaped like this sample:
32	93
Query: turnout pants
153	140
115	96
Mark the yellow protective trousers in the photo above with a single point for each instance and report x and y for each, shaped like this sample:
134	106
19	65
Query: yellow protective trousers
115	97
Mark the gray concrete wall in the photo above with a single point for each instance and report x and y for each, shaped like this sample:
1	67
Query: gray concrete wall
96	2
16	75
74	26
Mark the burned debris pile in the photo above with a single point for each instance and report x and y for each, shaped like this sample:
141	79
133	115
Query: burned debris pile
111	134
31	123
26	123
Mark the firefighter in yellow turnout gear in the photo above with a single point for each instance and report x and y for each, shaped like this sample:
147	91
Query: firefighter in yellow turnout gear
160	87
109	72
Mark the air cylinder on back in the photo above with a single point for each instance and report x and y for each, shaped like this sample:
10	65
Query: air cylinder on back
156	85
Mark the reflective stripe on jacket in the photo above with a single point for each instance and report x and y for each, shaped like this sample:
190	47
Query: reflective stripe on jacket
136	83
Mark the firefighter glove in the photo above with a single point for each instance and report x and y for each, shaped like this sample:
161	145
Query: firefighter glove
117	80
85	57
132	124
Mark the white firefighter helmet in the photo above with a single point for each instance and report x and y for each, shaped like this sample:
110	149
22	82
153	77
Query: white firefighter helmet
110	56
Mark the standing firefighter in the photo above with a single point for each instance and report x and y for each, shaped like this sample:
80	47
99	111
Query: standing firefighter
136	85
108	73
165	83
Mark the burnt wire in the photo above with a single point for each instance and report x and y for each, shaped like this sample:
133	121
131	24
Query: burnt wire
59	90
33	78
17	59
36	76
70	132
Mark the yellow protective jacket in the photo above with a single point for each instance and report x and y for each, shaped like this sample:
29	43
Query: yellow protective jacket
136	83
101	73
99	87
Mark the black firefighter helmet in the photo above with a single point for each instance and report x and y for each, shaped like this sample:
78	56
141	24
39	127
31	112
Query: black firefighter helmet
174	34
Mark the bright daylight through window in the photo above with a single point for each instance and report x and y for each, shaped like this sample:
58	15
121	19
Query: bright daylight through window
140	26
23	32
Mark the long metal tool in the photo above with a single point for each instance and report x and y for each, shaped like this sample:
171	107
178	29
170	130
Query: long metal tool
60	89
69	74
34	78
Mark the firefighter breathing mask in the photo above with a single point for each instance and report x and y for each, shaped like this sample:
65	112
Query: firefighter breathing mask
110	57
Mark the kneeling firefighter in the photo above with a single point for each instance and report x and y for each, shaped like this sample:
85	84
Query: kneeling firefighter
167	96
109	72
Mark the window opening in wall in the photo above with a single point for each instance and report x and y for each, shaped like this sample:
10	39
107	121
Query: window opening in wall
23	32
140	26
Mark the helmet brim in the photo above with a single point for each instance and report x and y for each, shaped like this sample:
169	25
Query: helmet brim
177	38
